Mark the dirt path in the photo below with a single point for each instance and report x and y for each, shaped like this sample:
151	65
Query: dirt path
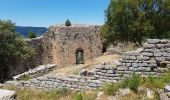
67	70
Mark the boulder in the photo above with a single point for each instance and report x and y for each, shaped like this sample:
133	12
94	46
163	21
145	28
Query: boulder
7	95
150	94
167	88
124	92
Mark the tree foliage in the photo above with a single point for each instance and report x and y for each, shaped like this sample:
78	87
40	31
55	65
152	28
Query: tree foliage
31	35
135	20
12	49
68	22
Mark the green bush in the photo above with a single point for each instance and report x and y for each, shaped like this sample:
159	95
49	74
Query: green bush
31	35
68	22
78	96
124	83
134	82
110	89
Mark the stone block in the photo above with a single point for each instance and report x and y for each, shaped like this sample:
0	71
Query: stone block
166	54
152	65
147	54
164	41
128	64
158	54
132	57
160	45
160	59
122	68
134	65
128	72
7	95
133	69
148	46
111	71
92	84
153	41
167	45
103	71
144	69
138	73
167	50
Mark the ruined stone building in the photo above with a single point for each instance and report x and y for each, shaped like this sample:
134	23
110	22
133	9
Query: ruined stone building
71	45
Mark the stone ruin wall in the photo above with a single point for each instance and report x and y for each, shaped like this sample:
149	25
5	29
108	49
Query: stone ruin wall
152	60
61	43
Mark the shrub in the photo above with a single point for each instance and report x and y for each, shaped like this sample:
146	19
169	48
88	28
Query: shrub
134	82
124	83
31	35
110	89
78	96
68	22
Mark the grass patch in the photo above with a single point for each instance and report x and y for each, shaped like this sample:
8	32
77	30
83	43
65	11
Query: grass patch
110	89
76	72
30	94
88	95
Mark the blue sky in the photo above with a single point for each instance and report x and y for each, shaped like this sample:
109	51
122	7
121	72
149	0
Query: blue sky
49	12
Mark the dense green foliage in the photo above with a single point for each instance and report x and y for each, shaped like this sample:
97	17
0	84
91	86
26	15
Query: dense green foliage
31	35
136	20
68	22
12	49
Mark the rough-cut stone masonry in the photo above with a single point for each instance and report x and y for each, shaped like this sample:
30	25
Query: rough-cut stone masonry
38	71
152	60
61	43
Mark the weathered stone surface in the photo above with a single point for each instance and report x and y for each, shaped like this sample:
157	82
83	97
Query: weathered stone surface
40	70
147	54
143	69
153	41
124	92
167	88
7	95
61	43
150	94
163	96
148	46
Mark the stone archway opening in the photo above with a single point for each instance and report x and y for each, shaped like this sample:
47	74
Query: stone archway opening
79	56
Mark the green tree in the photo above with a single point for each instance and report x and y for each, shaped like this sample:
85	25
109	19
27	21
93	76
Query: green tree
135	20
31	35
68	22
12	49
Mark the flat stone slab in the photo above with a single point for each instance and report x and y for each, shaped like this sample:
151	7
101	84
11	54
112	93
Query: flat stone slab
7	95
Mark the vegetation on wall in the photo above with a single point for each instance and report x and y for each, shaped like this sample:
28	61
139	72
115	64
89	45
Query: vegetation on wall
12	49
136	20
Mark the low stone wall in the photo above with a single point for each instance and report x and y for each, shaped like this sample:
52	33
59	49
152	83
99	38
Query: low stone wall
152	60
38	71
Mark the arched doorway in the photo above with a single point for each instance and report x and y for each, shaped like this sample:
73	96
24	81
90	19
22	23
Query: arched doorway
79	56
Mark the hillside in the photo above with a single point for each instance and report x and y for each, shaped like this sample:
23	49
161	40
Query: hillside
25	30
